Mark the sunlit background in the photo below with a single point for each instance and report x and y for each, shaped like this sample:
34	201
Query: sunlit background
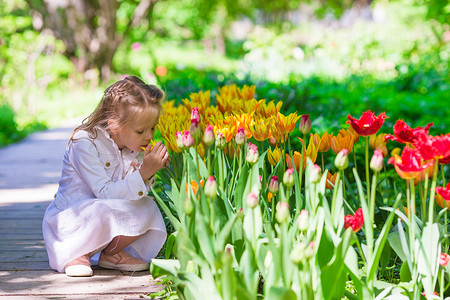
326	58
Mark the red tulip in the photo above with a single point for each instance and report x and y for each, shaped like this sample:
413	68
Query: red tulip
444	192
410	161
368	124
405	134
355	221
433	147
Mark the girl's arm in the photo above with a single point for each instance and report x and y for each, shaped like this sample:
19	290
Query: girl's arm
86	161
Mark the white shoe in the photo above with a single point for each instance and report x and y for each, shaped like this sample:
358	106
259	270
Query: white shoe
79	271
80	267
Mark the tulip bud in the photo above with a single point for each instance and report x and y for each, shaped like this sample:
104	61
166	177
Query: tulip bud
309	250
188	206
376	163
240	138
194	129
305	124
288	178
208	136
220	140
187	139
303	220
272	141
252	154
211	187
252	200
298	253
195	115
282	213
179	136
341	160
314	176
273	185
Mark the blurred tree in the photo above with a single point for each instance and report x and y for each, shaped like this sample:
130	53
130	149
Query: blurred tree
88	28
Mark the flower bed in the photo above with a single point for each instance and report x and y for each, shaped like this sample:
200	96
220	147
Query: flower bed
254	217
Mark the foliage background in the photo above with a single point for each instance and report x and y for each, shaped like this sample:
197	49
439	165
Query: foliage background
325	60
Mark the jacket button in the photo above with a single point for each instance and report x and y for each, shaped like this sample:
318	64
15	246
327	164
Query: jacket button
140	193
108	164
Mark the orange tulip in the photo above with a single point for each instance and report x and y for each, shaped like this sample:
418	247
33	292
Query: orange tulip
331	181
323	143
442	202
311	152
343	140
354	134
266	110
194	186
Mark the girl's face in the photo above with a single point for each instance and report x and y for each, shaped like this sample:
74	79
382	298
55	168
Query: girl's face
134	135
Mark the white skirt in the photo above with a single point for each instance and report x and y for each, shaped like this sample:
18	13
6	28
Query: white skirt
91	224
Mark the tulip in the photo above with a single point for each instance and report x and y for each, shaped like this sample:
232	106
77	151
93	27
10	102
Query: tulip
188	206
220	140
343	140
179	135
331	181
379	142
405	134
298	253
444	192
367	124
195	116
323	144
341	160
211	187
240	138
376	163
268	259
410	161
252	199
314	176
208	136
273	185
355	221
305	124
187	139
444	259
194	129
282	213
433	147
274	156
252	154
288	178
303	220
309	250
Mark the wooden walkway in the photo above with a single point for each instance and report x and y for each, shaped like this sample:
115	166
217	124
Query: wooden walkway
29	172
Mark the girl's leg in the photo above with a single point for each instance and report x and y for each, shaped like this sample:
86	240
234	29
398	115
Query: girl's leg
119	243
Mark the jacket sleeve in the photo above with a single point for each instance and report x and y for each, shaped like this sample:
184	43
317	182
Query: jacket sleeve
86	161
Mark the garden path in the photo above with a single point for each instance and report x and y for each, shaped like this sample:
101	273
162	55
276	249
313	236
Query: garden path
29	173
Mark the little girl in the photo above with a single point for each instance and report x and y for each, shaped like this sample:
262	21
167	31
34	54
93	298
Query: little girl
102	203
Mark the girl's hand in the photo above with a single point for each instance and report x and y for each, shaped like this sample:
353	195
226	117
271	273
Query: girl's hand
154	160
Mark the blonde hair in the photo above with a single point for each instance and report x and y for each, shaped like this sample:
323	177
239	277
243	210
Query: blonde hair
125	100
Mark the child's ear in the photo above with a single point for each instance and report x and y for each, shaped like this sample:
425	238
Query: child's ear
113	126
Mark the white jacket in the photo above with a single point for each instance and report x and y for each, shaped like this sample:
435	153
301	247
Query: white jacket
96	168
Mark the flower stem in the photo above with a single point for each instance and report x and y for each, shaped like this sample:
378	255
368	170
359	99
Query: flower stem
300	172
335	191
433	188
367	169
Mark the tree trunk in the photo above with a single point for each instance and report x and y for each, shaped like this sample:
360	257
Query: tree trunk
87	28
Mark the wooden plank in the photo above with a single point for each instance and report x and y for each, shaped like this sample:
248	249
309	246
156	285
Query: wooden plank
24	266
23	237
19	256
49	282
22	247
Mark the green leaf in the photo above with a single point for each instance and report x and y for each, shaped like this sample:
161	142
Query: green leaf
176	224
169	244
281	293
159	267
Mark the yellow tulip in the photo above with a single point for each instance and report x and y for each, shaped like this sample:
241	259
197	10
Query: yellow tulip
274	156
322	143
200	100
378	142
311	152
266	110
260	130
